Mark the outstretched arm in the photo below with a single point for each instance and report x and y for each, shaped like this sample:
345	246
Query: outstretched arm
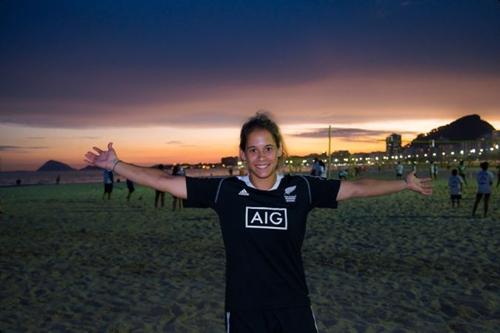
373	187
155	178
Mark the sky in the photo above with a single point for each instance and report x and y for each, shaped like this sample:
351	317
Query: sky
173	81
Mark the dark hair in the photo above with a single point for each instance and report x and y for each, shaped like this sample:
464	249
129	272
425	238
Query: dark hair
262	120
484	165
454	172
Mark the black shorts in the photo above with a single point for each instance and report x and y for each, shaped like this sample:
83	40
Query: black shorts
108	188
456	196
285	320
480	195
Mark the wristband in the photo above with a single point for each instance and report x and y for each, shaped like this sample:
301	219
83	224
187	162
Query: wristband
114	165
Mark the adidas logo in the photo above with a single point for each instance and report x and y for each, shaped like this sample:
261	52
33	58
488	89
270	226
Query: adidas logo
244	193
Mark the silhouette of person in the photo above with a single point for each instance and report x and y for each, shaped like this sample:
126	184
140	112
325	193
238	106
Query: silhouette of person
108	183
455	184
484	180
176	201
130	187
399	170
160	195
461	171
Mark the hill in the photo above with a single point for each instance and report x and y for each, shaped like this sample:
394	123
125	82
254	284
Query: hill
55	166
468	128
90	168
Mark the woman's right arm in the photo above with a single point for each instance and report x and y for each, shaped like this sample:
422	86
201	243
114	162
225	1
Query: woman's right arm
155	178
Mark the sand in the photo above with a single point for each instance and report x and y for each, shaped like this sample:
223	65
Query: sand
70	261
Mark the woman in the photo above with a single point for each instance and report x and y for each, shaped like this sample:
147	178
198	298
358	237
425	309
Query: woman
484	180
262	217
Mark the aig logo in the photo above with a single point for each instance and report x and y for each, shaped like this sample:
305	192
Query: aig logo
266	218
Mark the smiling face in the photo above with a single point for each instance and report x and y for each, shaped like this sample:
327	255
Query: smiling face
261	155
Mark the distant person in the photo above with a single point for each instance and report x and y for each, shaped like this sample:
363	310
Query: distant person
108	183
322	168
58	179
399	170
130	187
160	195
461	171
357	171
455	184
316	169
343	173
18	182
263	217
498	174
177	202
434	170
484	180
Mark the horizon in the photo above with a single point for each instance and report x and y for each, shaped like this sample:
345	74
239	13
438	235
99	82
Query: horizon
218	160
173	82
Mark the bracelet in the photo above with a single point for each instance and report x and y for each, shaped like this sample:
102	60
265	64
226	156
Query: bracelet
114	165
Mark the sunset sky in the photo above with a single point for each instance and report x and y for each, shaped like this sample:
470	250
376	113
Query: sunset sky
172	81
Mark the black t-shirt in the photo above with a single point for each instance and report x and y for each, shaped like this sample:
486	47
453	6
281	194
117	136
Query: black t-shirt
263	232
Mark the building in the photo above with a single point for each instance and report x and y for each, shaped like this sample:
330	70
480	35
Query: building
393	144
229	161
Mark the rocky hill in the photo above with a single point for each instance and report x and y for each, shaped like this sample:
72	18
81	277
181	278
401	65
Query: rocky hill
55	166
468	128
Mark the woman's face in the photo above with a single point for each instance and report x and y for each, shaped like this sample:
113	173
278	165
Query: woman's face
261	154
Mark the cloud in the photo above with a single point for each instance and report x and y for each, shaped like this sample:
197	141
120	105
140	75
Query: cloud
174	142
20	148
338	99
350	134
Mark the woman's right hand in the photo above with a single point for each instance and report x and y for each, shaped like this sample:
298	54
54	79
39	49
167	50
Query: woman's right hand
105	159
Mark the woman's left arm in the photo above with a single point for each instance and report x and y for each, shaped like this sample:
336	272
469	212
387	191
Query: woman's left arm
374	187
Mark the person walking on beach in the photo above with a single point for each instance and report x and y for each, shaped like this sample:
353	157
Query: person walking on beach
317	168
498	175
108	183
399	170
484	180
177	202
159	195
434	170
455	184
263	217
461	171
130	187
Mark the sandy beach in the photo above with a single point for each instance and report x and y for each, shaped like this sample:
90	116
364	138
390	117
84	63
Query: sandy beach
72	262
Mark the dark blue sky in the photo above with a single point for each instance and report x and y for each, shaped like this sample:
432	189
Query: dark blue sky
58	55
